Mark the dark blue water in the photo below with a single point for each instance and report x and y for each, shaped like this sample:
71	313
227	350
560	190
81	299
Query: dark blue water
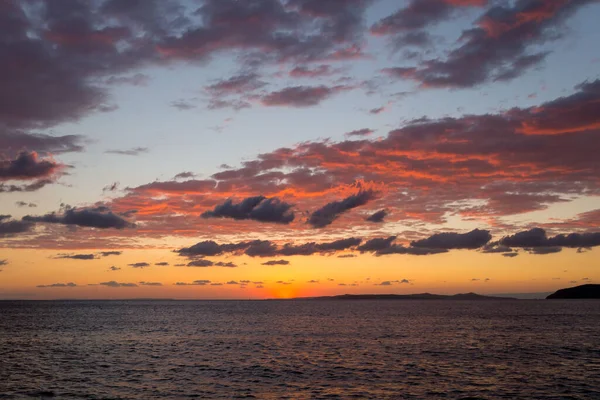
300	350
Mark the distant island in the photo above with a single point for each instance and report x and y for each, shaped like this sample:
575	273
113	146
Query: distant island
589	291
419	296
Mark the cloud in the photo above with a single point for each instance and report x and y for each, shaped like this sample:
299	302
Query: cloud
301	96
76	256
202	263
113	268
137	79
140	265
377	217
359	133
313	281
200	282
270	31
537	237
182	105
58	285
276	262
110	253
225	264
377	244
303	71
258	208
311	248
471	240
185	175
378	110
136	151
32	187
28	166
14	140
115	284
150	284
13	228
265	248
3	262
236	85
99	217
113	187
569	114
502	46
544	250
25	204
330	212
161	264
414	251
420	14
261	248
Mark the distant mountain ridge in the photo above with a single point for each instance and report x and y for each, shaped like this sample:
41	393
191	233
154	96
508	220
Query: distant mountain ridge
589	291
418	296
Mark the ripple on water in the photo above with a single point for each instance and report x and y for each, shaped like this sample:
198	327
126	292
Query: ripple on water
296	350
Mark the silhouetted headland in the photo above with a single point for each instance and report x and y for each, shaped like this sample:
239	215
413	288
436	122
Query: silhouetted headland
419	296
589	291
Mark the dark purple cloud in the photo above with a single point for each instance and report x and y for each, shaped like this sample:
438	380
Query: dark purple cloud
377	216
544	250
420	14
276	262
360	133
115	284
502	46
14	141
330	212
58	285
236	85
199	282
185	175
137	79
25	204
100	217
202	263
77	256
301	96
376	244
140	265
110	253
258	208
451	240
12	227
31	187
27	166
537	237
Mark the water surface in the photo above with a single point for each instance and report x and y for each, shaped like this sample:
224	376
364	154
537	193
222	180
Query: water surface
300	349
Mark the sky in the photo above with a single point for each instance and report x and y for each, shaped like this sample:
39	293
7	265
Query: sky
223	149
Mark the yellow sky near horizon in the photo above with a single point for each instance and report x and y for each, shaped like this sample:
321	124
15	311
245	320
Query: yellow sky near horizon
447	273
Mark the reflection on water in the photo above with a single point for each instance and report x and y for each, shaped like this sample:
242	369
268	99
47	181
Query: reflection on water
300	349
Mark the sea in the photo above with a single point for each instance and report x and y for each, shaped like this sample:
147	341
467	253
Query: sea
300	349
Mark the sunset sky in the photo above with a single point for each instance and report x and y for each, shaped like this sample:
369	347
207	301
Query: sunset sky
210	149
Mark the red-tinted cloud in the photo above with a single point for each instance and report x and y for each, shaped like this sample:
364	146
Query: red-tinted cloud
28	166
500	48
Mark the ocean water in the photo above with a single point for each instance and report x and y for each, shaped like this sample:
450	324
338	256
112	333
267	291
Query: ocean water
300	349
